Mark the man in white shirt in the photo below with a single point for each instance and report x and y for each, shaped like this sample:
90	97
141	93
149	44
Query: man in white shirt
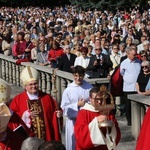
130	69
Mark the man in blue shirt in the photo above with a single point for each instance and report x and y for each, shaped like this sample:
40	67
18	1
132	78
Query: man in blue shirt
130	69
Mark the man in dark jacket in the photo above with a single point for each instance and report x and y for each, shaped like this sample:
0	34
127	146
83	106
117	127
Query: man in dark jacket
67	60
99	64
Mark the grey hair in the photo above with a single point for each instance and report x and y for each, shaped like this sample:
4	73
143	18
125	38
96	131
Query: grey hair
145	63
31	143
66	46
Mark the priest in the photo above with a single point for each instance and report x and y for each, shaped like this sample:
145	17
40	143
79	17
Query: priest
12	129
37	109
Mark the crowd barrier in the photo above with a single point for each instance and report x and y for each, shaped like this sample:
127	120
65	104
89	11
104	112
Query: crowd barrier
50	81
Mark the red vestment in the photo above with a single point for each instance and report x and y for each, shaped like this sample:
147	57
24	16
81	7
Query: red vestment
13	139
20	104
144	136
83	131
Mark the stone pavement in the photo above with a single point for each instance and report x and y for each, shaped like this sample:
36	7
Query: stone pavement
127	142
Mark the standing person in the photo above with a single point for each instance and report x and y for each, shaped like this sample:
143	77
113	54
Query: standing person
89	135
66	62
144	136
83	61
10	138
99	64
73	98
114	57
143	79
37	109
130	69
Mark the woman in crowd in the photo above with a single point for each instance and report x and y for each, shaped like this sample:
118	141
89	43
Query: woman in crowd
143	79
76	49
20	46
6	45
83	60
35	50
54	54
115	58
143	55
129	41
42	56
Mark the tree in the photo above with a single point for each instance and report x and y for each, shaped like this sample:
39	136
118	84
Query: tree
106	4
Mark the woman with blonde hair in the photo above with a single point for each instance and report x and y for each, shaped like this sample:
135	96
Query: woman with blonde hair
76	49
142	84
129	41
35	50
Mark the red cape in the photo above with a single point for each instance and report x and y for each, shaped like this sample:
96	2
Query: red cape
116	83
144	136
20	104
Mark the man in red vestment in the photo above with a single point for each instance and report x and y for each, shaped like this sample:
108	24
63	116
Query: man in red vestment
10	136
37	109
89	135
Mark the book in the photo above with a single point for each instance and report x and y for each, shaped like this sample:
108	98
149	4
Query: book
20	130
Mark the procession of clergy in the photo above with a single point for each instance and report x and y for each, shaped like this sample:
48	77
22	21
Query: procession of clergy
89	124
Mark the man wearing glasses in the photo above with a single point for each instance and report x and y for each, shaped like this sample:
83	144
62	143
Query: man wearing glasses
37	109
88	134
99	64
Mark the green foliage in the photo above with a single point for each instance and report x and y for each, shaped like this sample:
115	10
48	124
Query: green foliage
105	4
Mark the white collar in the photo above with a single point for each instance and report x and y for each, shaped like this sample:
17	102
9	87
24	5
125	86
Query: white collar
31	96
89	107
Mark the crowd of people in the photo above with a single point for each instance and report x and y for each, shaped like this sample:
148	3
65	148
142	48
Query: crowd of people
94	39
90	44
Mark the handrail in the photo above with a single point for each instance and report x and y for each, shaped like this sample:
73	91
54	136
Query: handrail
10	72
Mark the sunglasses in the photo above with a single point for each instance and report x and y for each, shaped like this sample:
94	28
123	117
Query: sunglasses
144	66
97	49
143	56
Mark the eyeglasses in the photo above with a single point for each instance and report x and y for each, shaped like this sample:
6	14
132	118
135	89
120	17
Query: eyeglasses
97	49
144	66
32	84
143	56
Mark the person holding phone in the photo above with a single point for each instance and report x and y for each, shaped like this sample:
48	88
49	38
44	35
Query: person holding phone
99	64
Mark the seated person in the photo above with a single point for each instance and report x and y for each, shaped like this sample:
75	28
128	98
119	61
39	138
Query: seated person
42	56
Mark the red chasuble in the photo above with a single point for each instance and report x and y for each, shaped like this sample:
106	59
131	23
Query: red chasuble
144	136
21	103
82	132
13	139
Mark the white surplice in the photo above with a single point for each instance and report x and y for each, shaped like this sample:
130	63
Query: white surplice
70	98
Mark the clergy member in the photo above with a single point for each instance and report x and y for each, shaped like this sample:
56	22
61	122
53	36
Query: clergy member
89	135
37	109
74	97
12	129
